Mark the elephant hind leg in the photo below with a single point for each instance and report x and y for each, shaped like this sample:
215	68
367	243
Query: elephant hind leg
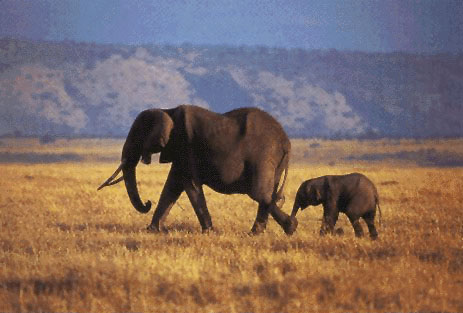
288	223
369	219
261	220
264	192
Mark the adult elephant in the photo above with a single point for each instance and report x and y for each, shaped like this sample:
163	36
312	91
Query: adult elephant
244	151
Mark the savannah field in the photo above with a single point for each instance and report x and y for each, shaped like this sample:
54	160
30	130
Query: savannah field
66	247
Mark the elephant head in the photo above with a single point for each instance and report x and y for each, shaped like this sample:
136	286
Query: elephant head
150	133
309	193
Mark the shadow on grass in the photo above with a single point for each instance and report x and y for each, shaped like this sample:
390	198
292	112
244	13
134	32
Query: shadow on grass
37	158
43	286
423	157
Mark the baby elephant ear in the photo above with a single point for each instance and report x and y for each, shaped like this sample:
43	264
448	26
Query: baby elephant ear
315	194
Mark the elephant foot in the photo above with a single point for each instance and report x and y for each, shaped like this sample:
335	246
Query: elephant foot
208	230
339	232
290	225
280	202
154	229
324	232
373	236
257	228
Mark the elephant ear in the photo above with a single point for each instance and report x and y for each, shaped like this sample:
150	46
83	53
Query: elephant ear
159	134
176	141
163	129
179	137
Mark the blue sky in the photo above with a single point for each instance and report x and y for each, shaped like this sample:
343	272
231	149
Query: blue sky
429	26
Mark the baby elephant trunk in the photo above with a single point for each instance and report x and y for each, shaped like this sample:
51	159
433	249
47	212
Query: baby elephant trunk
295	208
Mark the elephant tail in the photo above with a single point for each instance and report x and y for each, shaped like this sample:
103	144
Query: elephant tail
379	210
279	194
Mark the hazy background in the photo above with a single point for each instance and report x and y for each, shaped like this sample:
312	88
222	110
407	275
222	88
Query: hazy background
323	68
394	25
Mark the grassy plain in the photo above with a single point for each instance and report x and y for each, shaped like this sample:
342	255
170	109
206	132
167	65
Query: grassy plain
66	247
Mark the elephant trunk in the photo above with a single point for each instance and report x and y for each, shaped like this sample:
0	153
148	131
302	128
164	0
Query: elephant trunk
295	208
132	190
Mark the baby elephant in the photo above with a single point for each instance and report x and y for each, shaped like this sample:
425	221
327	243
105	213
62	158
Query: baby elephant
353	194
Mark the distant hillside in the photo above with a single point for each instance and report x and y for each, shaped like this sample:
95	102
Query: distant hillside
69	88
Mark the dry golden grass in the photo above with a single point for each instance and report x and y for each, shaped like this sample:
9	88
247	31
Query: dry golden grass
66	247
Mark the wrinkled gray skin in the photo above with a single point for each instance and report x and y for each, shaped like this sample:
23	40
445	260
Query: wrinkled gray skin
244	151
353	194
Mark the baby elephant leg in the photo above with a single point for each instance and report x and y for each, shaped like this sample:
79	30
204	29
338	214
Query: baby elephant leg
329	220
354	220
369	218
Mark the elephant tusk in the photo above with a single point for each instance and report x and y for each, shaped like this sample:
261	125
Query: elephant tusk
109	180
116	181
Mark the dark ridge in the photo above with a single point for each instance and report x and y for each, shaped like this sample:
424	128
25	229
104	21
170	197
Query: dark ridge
423	157
37	158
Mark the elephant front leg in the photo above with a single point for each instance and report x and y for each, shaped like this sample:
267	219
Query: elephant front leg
172	190
198	201
330	217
